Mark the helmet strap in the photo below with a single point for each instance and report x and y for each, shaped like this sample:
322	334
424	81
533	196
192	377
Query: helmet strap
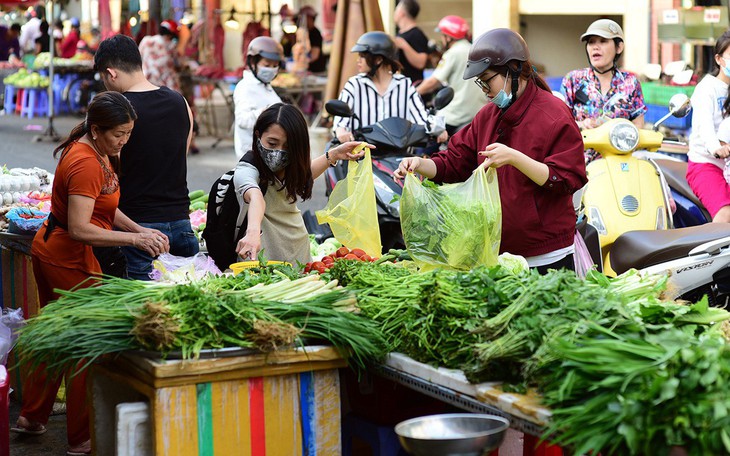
596	70
515	75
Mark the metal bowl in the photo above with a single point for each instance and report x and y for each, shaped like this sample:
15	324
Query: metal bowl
452	434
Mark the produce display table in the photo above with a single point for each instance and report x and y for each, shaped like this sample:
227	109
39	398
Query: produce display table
278	403
451	386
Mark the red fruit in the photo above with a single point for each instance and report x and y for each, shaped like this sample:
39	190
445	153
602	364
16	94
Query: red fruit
329	261
366	257
358	252
351	256
320	269
341	252
318	265
374	259
307	267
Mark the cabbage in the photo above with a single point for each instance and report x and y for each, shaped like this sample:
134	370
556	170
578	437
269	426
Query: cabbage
515	264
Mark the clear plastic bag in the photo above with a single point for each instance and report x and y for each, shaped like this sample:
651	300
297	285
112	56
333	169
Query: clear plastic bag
10	321
173	268
581	257
351	211
452	226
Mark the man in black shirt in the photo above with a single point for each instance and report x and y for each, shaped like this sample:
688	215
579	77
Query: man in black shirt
317	58
411	42
153	177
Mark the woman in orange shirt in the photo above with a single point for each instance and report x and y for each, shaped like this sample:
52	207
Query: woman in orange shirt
84	214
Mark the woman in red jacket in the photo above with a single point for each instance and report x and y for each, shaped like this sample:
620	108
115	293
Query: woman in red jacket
530	136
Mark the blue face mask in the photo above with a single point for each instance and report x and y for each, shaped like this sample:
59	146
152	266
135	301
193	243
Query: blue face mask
502	99
725	69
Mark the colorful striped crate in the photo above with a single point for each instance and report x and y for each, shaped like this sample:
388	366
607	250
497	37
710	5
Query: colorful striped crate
18	290
278	404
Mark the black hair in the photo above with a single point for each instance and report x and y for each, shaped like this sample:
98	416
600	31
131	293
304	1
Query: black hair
164	31
107	110
119	52
721	45
412	7
370	59
15	27
298	179
44	27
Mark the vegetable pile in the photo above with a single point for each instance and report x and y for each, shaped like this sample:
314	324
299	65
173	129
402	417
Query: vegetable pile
265	311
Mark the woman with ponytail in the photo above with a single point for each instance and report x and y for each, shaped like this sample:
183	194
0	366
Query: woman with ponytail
378	91
84	214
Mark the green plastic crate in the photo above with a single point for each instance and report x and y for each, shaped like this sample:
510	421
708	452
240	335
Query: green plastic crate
659	94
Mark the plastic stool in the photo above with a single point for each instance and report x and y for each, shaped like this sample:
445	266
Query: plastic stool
19	100
9	100
60	81
382	440
4	412
35	102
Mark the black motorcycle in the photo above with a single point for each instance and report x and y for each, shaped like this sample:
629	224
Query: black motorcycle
395	139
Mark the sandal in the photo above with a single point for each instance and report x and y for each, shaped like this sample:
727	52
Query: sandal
80	450
25	427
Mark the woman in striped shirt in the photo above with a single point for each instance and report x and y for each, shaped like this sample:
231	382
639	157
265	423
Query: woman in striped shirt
378	91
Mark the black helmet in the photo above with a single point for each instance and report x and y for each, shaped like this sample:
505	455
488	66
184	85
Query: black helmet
496	47
376	43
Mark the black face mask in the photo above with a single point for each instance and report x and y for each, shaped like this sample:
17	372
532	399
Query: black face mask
274	159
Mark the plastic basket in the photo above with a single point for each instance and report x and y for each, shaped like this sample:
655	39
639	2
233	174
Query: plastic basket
656	93
656	112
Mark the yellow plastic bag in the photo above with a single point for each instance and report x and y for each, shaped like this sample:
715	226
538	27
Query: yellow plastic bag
452	226
351	211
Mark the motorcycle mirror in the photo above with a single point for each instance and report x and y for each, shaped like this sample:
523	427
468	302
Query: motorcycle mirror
679	105
338	108
443	98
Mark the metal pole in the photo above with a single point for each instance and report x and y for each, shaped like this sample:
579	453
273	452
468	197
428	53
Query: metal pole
50	134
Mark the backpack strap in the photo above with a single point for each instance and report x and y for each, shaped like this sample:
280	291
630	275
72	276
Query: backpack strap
249	158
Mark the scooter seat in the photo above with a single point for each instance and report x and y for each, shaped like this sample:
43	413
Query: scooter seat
675	172
644	248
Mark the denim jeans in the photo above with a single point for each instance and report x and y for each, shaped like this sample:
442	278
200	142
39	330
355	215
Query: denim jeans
182	243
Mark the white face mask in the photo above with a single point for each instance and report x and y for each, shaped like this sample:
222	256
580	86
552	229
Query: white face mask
266	74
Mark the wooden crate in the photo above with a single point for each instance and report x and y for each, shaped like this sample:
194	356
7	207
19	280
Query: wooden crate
284	403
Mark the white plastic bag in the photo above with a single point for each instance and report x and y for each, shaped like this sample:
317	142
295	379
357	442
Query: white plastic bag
10	321
581	256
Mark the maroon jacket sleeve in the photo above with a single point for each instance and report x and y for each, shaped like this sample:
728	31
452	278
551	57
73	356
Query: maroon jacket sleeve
565	162
458	162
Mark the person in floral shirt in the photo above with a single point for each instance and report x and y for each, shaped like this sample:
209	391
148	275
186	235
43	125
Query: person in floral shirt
159	56
602	91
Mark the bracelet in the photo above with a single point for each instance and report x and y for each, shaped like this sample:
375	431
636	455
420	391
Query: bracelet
327	156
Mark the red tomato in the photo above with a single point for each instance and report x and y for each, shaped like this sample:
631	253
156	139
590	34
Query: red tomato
366	257
317	265
351	256
374	259
329	261
341	252
307	267
358	252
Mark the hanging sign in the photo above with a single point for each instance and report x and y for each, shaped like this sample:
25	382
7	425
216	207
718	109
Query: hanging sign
712	15
670	16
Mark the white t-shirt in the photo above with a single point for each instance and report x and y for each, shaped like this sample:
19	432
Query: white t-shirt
468	98
707	101
250	98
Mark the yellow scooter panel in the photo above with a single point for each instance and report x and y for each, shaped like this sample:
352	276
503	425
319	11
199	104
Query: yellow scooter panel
624	194
600	138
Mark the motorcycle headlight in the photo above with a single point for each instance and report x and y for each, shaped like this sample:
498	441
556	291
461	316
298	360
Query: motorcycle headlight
624	136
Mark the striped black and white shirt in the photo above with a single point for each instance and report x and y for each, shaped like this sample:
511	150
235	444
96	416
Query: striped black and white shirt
400	100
